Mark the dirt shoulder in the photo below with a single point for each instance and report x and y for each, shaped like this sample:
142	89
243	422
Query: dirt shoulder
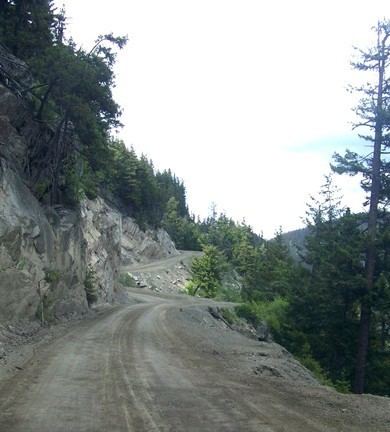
165	364
20	341
265	373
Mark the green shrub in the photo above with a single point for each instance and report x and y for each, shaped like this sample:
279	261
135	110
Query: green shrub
41	188
52	276
90	286
248	312
314	366
190	288
342	386
273	312
229	292
206	273
229	315
21	264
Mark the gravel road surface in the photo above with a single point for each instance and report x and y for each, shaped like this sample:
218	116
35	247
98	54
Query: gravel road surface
164	364
185	256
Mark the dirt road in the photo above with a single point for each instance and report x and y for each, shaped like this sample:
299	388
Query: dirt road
185	256
162	365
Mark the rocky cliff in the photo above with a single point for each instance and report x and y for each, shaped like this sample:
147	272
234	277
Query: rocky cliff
55	261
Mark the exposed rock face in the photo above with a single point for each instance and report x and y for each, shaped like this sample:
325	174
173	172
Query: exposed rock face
139	246
46	253
14	71
40	254
102	235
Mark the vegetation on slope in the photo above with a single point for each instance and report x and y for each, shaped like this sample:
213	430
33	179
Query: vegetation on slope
337	298
311	306
71	98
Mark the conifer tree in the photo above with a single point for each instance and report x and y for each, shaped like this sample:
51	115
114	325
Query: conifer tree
323	306
26	26
373	111
207	272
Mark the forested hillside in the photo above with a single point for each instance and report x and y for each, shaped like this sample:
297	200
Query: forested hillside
71	95
330	307
312	304
328	301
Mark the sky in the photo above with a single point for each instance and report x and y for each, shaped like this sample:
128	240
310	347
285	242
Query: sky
245	100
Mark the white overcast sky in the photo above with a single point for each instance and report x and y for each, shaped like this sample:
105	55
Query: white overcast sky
244	100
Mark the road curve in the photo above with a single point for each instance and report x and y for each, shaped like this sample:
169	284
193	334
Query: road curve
183	256
134	369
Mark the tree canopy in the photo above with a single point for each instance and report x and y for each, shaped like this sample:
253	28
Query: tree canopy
71	98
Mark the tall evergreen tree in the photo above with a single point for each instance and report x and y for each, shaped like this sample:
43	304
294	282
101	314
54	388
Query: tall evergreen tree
373	111
27	26
323	305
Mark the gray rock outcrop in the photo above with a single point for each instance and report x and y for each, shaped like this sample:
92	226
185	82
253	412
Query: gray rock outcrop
139	246
40	254
46	253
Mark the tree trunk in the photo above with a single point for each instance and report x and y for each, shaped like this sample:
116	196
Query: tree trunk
44	100
383	334
364	331
365	312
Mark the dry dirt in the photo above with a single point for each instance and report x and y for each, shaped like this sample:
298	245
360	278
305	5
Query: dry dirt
163	363
165	276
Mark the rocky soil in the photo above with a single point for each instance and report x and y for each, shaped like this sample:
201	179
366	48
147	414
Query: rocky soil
169	275
20	341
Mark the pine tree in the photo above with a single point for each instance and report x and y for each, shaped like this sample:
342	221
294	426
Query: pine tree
323	306
26	26
207	272
373	111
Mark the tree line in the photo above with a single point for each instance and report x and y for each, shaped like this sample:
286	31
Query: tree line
70	97
312	304
335	302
